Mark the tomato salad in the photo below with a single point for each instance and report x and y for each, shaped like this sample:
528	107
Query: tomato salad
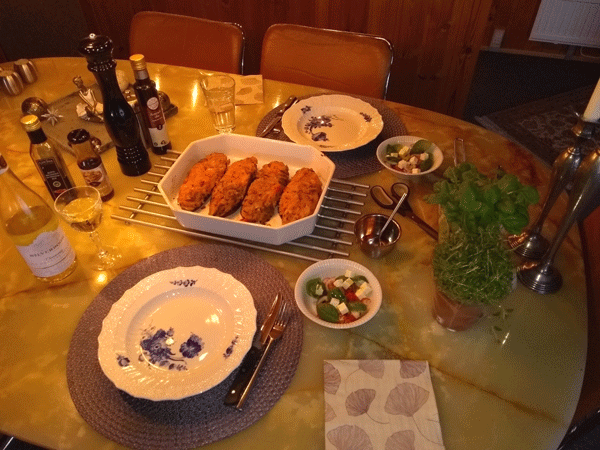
341	299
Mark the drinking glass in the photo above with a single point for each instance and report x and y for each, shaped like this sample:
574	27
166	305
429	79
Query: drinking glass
81	207
219	91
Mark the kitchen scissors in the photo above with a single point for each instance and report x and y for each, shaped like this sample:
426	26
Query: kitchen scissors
387	201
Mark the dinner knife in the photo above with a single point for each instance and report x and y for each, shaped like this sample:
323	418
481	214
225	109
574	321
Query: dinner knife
253	356
278	115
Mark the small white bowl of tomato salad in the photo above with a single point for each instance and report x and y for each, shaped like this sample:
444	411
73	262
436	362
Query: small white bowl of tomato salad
409	156
338	293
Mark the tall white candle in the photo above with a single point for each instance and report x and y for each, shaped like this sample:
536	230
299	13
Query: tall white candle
592	112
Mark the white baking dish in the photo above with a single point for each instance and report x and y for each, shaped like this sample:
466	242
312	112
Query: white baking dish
237	147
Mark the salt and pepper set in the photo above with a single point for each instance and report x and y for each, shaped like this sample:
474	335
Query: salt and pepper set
582	172
12	82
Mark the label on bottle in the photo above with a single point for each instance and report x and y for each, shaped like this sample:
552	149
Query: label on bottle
98	178
55	180
49	254
157	122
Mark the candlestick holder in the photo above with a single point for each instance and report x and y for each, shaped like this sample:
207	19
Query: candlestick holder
544	277
531	244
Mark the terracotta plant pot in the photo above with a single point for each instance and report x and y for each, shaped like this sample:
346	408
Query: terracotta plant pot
453	315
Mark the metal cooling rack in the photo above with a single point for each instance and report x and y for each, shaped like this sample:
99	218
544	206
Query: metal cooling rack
331	238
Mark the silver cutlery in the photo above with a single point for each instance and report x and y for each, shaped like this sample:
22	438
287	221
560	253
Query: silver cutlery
275	333
252	358
276	119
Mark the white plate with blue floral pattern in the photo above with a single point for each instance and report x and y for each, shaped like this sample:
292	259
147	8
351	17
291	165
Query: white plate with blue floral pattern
177	333
332	123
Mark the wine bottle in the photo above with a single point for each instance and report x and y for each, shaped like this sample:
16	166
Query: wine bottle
33	227
46	155
119	117
90	163
149	102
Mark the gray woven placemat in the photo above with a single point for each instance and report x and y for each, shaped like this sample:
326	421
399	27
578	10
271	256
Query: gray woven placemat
361	160
193	421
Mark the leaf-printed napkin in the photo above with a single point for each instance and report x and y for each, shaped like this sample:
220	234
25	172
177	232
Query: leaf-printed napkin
248	89
380	404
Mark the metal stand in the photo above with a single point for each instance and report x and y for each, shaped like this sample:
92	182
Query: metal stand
531	244
543	277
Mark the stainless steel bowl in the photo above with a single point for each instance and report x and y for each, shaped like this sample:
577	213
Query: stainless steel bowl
367	230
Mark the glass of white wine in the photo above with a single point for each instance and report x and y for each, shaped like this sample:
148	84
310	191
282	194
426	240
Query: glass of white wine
81	207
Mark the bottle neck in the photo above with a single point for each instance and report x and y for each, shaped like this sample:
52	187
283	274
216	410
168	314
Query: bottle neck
141	74
37	136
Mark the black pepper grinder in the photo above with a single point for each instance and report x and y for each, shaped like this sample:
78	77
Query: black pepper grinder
119	117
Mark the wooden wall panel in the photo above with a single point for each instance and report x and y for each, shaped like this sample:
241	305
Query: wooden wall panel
436	42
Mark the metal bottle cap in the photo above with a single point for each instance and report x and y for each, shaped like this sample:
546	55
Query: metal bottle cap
138	62
31	122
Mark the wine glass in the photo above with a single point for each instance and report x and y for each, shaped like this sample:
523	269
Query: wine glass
81	207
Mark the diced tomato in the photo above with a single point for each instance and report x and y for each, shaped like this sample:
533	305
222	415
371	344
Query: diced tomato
347	318
351	296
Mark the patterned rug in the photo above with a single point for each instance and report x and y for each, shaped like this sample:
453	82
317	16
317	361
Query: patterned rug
543	126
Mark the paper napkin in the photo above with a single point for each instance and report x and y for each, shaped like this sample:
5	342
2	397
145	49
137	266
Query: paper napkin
380	404
248	89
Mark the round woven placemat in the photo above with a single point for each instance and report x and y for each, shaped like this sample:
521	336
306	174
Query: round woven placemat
193	421
361	160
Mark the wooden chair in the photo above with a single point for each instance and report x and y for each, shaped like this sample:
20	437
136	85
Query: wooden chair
338	60
587	413
187	41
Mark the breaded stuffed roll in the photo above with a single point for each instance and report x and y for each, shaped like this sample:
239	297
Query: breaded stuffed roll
231	189
301	195
264	193
201	181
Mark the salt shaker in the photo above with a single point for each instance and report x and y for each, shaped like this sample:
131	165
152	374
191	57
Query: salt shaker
27	70
10	82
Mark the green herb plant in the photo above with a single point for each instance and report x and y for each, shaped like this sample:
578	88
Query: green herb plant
472	263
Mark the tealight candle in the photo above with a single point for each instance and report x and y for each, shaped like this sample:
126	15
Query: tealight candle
592	111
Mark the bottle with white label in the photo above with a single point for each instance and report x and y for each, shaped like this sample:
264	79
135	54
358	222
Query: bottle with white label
90	163
149	102
33	227
46	155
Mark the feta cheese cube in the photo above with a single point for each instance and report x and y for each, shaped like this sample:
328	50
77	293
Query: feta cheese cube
402	164
347	283
393	155
334	301
404	150
338	282
413	160
361	294
416	170
424	156
342	308
349	274
366	288
319	290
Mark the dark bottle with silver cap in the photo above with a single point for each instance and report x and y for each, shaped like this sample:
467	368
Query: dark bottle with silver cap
89	163
150	107
119	117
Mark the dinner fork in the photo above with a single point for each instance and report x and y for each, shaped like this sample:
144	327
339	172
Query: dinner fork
276	332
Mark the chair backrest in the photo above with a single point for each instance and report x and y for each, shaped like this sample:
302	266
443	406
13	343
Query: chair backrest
339	60
187	41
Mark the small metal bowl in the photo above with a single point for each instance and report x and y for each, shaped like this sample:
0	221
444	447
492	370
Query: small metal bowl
371	243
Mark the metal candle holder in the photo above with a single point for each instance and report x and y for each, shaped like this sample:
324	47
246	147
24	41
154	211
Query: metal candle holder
531	244
543	277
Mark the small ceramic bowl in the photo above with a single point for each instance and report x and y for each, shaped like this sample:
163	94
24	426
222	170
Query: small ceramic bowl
438	156
372	242
333	268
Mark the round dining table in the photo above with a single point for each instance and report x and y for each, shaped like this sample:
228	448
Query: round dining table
510	382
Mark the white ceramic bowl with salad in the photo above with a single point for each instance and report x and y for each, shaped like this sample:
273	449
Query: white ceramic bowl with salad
409	156
338	293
